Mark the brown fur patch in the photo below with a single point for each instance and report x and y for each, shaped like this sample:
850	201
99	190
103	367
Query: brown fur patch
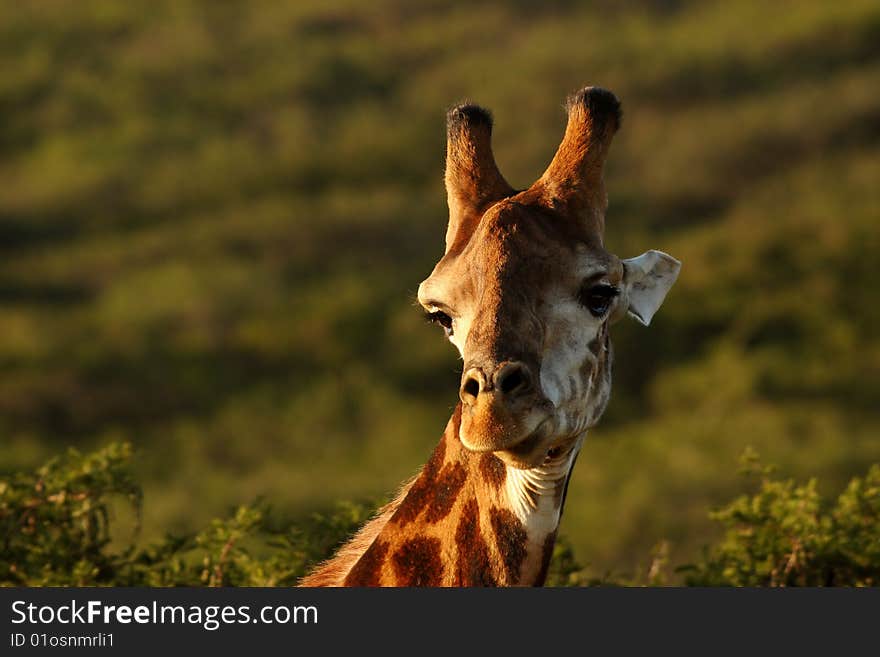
546	558
417	562
419	494
602	379
596	347
445	491
473	567
368	569
510	537
493	470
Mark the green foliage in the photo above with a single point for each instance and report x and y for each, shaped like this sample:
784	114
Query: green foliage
786	534
56	525
564	567
57	528
566	570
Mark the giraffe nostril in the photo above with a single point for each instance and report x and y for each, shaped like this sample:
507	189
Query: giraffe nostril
511	382
512	378
470	389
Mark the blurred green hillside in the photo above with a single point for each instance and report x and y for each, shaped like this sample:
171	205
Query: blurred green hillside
214	218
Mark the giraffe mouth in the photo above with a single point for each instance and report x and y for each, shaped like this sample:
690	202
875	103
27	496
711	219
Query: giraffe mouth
540	448
495	429
526	447
530	451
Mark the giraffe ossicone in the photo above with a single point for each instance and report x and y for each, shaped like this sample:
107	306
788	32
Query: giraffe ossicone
526	292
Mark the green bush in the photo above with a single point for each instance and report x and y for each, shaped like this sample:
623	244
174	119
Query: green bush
58	529
787	535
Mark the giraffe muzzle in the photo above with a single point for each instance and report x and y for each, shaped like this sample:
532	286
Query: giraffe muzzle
503	410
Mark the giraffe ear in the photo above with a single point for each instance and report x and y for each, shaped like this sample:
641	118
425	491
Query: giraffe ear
646	279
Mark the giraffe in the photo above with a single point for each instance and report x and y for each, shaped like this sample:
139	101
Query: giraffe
526	292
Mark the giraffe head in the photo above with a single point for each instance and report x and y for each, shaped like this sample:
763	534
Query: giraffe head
526	290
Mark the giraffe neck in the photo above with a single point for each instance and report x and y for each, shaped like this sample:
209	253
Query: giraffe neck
466	520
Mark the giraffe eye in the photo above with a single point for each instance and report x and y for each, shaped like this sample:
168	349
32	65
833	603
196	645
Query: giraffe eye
598	298
441	318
